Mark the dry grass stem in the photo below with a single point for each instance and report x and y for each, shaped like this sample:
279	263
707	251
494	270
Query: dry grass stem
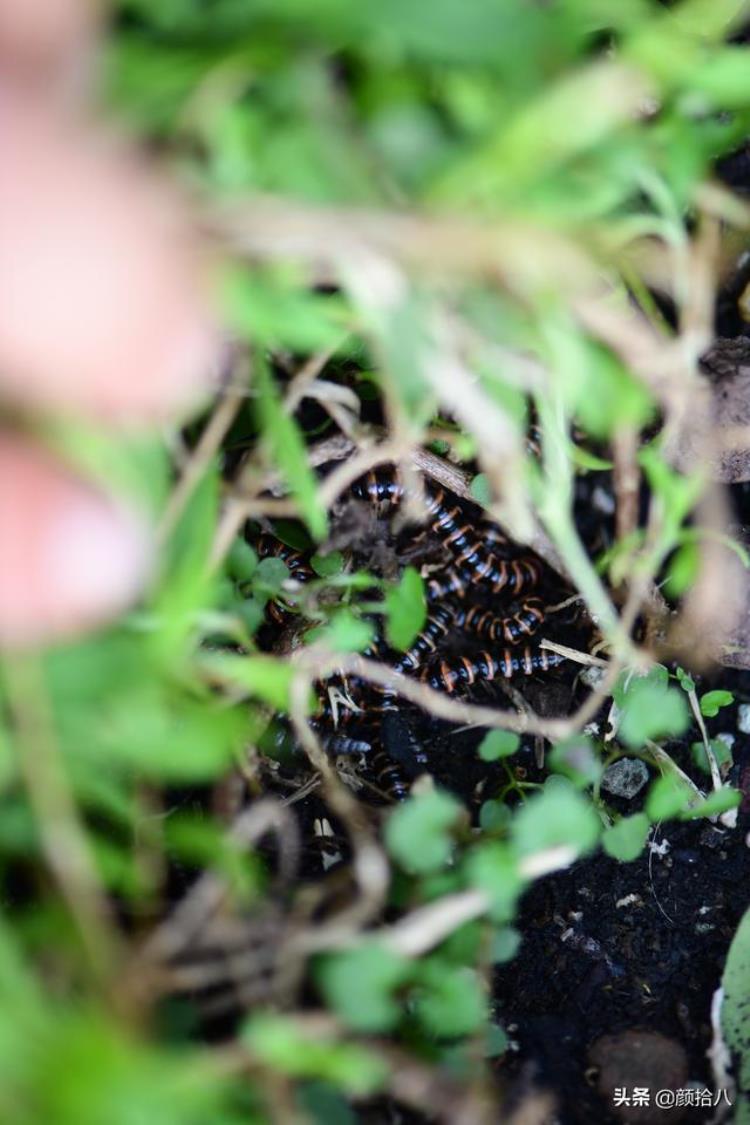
199	459
369	865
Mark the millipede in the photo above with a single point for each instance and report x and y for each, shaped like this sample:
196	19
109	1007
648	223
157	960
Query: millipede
388	776
511	628
297	564
336	743
450	584
438	626
425	644
472	561
485	593
466	670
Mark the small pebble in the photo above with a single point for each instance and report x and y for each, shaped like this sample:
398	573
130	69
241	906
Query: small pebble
729	818
625	778
743	718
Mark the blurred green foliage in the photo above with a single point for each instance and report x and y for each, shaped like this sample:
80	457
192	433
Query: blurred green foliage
560	131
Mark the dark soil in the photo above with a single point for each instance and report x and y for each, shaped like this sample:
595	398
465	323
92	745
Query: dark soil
611	947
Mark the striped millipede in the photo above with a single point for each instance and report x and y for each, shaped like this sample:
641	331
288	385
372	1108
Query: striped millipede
472	561
341	744
387	775
511	628
459	601
438	626
511	575
385	768
450	674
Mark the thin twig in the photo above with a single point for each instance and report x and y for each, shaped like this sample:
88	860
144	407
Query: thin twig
626	479
307	374
218	426
205	896
319	664
575	655
668	765
369	866
338	481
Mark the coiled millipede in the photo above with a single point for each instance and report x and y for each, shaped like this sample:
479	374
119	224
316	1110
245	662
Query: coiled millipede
462	608
472	561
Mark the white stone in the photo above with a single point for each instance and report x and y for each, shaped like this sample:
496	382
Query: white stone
743	718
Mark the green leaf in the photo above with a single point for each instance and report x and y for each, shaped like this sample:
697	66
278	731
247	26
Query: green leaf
652	711
713	701
292	534
566	117
449	998
679	493
658	675
464	945
288	451
609	396
154	733
558	817
344	633
498	744
683	569
505	945
328	566
496	1042
8	766
493	868
406	610
480	490
668	796
251	612
723	78
577	759
263	677
626	839
81	1067
359	984
281	1043
271	574
325	1105
583	459
242	561
494	816
187	584
735	1009
403	333
276	309
687	683
202	843
418	832
716	803
722	753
